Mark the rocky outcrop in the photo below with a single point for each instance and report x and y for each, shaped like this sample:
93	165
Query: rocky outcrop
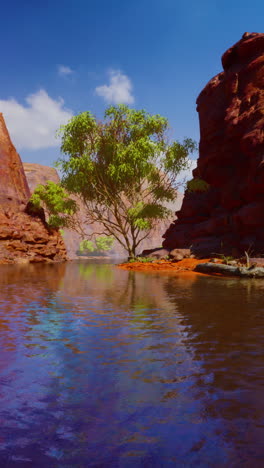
23	237
229	270
26	239
38	174
228	217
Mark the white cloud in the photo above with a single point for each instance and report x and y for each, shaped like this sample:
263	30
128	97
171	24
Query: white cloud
119	89
34	126
63	70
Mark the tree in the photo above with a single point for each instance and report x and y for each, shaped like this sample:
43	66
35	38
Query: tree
86	246
104	243
101	245
123	169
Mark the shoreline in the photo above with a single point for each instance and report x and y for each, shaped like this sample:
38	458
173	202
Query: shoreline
206	267
182	266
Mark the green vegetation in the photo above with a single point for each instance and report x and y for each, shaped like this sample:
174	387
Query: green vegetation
97	273
197	185
56	202
124	169
100	245
141	259
86	246
226	258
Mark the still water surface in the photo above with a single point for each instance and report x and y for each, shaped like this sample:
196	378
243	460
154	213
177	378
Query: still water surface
101	367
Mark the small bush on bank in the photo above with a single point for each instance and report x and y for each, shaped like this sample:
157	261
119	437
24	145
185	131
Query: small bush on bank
141	260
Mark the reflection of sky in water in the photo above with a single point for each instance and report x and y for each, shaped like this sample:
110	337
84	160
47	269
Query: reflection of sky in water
104	367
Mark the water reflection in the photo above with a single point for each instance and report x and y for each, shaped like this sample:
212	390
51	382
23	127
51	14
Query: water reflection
105	367
224	324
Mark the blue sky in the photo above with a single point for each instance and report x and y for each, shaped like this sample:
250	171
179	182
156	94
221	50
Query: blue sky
61	57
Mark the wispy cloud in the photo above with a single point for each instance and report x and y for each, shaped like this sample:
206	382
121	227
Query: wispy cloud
63	70
119	89
186	174
34	126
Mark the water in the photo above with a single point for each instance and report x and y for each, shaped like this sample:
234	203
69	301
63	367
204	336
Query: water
101	367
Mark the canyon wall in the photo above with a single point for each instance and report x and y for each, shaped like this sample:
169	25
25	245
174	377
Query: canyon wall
14	190
228	217
39	174
24	237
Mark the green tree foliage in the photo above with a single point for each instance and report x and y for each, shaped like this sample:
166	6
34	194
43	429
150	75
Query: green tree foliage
123	169
101	244
86	246
56	202
104	243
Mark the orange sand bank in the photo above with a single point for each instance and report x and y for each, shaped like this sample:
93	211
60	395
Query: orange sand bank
187	264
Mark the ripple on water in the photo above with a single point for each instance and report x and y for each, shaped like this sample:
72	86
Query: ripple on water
105	367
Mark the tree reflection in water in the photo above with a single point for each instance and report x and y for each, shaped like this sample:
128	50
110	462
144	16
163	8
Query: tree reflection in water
115	368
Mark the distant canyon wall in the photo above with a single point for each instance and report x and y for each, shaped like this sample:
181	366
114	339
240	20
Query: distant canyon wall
228	217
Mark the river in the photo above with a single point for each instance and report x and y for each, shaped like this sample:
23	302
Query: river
103	367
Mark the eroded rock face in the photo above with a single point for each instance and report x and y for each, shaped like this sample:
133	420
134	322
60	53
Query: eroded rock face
14	190
228	217
23	238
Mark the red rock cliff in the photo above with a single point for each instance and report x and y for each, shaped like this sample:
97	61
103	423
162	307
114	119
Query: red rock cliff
23	238
13	184
229	216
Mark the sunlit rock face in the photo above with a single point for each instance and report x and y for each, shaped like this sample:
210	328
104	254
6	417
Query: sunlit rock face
23	238
229	216
14	190
38	174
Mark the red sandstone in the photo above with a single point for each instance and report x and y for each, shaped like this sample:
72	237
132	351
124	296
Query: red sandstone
23	238
14	189
228	218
